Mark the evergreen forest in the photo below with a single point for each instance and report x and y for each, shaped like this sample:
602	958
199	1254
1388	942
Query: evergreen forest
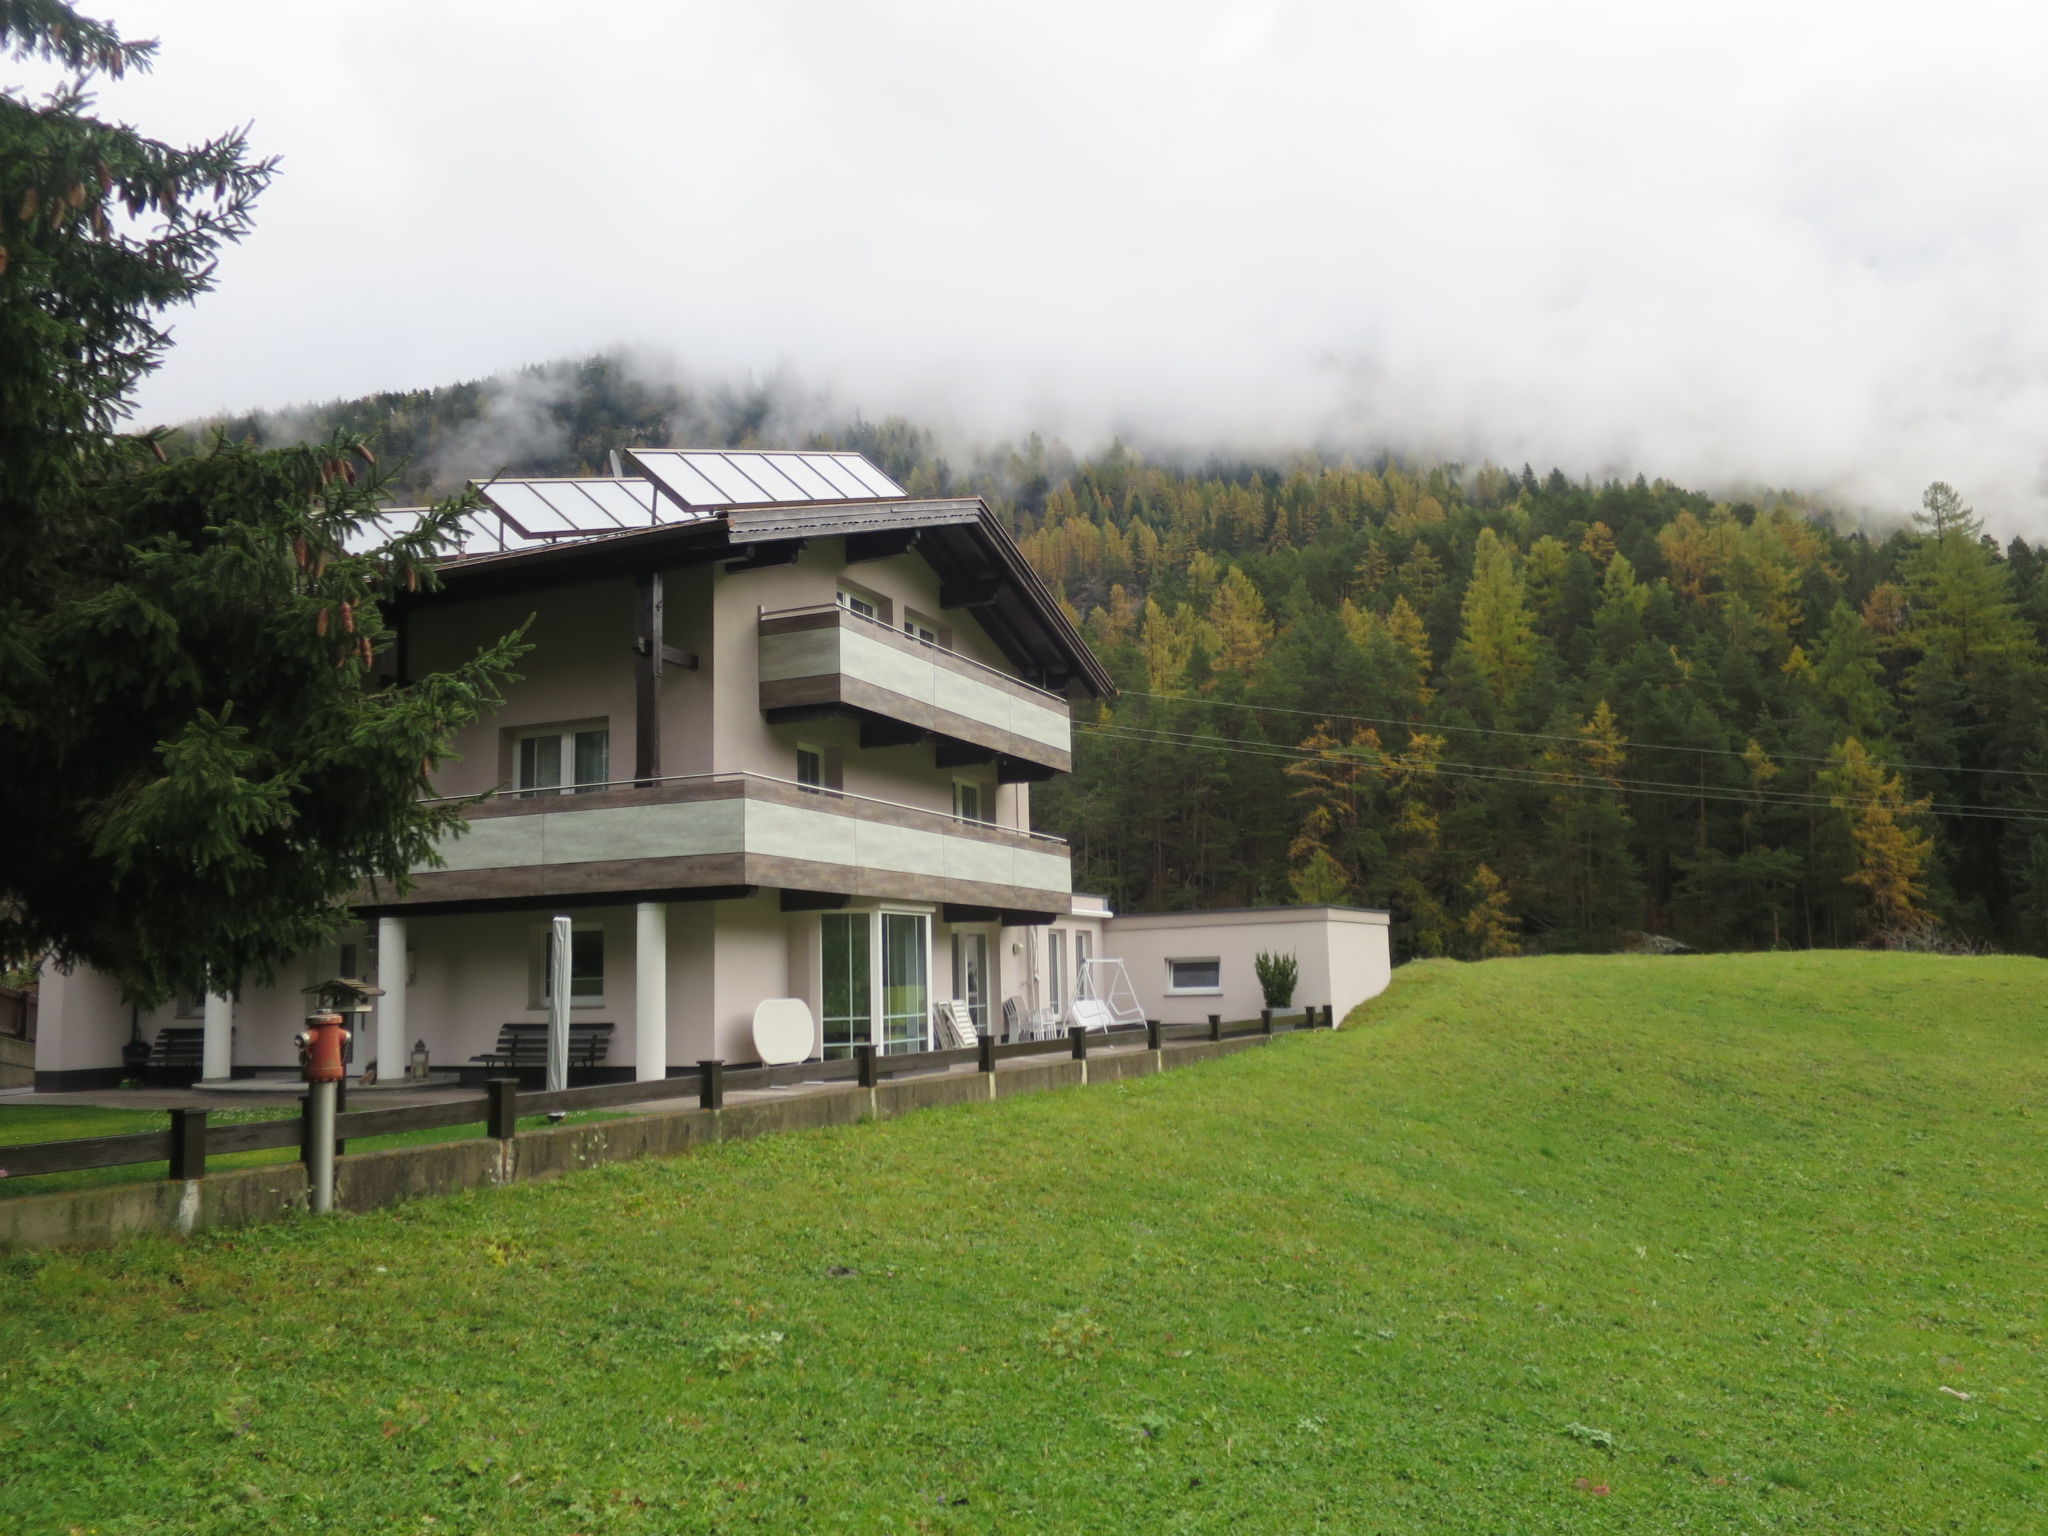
1523	712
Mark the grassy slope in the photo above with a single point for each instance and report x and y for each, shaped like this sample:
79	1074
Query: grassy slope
1744	1216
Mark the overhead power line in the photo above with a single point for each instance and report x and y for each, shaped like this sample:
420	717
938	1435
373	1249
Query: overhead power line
1483	730
1552	779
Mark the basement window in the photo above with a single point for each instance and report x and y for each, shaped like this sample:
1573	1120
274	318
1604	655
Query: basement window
1185	977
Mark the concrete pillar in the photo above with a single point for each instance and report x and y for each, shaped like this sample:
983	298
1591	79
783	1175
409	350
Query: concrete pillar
218	1057
393	1049
650	991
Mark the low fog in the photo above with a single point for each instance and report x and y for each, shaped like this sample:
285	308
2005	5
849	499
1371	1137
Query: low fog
1798	246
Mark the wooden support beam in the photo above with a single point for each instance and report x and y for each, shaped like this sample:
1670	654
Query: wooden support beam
1015	770
1028	919
879	544
875	731
961	754
974	592
814	901
958	912
766	556
647	661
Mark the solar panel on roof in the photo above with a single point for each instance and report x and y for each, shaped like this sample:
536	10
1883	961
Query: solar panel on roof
709	479
531	512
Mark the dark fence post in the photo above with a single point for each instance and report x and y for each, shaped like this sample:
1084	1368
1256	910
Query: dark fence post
1079	1036
985	1046
188	1143
1151	1034
1215	1026
1329	1015
864	1060
306	1128
711	1093
502	1116
1265	1021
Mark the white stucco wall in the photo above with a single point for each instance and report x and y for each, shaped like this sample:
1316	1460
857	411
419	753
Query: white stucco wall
1343	953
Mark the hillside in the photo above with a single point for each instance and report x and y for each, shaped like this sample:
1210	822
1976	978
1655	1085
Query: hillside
1579	1244
1522	711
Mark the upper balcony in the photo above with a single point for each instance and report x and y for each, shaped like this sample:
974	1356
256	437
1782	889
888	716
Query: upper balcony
707	835
826	657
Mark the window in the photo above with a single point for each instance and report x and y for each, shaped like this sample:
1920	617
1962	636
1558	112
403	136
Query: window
810	766
856	999
847	1017
586	968
1084	984
856	602
919	628
1056	969
970	801
1194	975
540	758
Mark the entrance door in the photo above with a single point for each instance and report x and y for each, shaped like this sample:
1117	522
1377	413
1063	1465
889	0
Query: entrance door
970	976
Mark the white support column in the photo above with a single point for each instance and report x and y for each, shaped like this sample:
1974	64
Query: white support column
217	1059
392	965
650	991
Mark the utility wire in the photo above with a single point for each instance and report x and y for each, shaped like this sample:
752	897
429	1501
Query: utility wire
1482	730
1490	773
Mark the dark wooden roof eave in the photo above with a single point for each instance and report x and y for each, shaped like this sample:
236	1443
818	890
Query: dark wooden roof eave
1024	618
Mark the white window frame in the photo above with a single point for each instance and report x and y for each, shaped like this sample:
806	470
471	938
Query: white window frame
1174	991
813	750
543	973
566	733
877	964
984	813
869	605
1055	971
922	629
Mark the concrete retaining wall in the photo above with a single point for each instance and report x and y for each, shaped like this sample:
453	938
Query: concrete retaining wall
17	1062
365	1181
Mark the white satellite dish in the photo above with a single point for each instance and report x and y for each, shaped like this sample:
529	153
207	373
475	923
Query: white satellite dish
783	1031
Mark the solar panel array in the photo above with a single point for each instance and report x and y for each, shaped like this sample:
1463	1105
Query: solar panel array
704	479
680	486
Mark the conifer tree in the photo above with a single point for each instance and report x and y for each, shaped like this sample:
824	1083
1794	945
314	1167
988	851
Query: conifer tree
1890	851
1499	632
203	764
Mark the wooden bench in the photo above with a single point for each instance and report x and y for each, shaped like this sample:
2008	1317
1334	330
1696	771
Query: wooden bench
177	1058
523	1047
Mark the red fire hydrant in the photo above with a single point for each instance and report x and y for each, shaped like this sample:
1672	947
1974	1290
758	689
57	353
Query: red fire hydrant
321	1048
320	1058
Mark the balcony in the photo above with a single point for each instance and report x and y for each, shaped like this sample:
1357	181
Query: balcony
825	658
720	833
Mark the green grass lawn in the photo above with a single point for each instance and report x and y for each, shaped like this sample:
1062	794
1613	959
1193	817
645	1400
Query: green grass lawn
1602	1245
20	1123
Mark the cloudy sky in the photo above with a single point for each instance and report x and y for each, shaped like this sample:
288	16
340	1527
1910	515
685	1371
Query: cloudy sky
1800	244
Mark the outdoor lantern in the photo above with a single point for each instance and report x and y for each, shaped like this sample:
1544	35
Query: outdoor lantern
418	1070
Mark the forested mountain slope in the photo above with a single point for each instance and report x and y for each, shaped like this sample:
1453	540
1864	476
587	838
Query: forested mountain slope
1521	712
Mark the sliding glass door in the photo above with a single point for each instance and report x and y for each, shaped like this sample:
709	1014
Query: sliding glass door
970	975
848	1011
858	995
906	981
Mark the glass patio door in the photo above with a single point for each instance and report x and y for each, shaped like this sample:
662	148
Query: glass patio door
970	976
906	982
848	1012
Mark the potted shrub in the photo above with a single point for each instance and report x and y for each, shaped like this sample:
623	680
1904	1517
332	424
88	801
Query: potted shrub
1278	976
